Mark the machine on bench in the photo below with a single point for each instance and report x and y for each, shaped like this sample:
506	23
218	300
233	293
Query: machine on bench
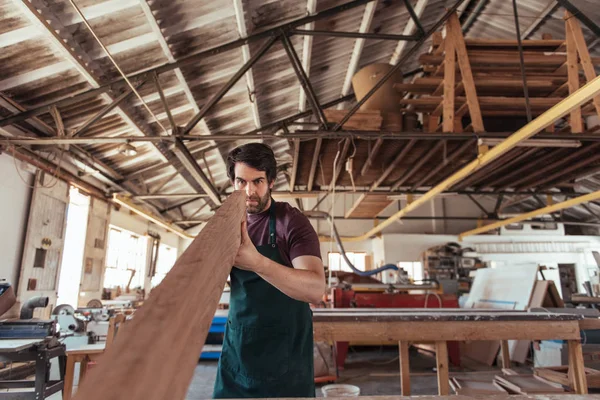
28	339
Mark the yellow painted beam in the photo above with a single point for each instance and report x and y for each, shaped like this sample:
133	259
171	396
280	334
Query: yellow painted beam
546	210
127	203
564	107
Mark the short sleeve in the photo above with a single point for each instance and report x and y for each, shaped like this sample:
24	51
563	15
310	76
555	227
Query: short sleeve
302	238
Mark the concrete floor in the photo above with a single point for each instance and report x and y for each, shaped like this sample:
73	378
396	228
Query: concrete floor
373	370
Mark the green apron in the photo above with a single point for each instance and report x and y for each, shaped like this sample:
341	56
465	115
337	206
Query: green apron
268	343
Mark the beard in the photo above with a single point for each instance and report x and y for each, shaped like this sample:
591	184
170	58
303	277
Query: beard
261	203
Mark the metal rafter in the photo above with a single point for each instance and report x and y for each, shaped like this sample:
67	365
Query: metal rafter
592	26
354	35
409	30
225	88
546	12
190	163
188	60
238	6
304	81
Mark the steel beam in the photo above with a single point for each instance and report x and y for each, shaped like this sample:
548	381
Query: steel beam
395	68
304	81
522	61
415	18
164	102
372	154
473	16
355	35
304	135
219	95
188	161
544	210
592	26
408	31
547	11
105	110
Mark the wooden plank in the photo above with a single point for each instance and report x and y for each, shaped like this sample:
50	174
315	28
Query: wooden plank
295	160
313	164
445	330
505	354
155	357
449	83
552	44
576	366
404	368
415	168
573	80
441	361
372	155
369	206
586	61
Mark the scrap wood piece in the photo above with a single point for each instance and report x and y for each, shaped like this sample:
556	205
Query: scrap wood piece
470	387
527	384
154	358
560	375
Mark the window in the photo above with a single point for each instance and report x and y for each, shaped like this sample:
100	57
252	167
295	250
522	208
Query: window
413	269
126	252
337	262
167	256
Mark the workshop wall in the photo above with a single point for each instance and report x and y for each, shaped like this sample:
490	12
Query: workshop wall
14	210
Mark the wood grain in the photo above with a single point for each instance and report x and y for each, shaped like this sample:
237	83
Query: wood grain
404	368
155	357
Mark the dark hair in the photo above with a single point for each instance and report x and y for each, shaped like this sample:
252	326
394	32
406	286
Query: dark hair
256	155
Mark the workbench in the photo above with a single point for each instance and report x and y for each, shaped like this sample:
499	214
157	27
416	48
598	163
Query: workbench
442	325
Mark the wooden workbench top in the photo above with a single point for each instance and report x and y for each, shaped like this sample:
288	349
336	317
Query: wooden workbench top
414	315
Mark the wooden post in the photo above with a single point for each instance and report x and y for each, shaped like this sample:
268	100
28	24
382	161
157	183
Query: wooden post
441	358
574	29
505	354
404	369
155	356
454	33
449	84
573	78
577	367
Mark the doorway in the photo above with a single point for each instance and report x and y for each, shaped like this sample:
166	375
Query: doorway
72	258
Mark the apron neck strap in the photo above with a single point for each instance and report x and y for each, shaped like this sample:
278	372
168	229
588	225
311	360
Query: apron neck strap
272	226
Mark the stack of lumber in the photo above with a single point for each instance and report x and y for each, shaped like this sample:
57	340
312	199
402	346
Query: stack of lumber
526	384
479	78
560	375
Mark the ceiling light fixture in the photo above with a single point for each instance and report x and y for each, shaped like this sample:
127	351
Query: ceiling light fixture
128	150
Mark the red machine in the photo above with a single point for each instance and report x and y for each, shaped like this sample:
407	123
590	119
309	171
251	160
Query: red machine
368	296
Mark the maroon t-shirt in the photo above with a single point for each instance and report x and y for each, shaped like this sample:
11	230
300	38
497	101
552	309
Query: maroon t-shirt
295	235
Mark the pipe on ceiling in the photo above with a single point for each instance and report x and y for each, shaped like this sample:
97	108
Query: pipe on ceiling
564	107
545	210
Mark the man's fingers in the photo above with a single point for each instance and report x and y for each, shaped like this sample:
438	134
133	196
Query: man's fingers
245	236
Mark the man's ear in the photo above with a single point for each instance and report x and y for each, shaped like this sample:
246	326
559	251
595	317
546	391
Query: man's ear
271	184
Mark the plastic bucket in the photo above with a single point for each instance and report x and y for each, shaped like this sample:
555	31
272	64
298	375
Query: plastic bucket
340	390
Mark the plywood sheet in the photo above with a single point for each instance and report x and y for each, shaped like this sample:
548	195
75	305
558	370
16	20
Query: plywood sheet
95	249
499	288
155	356
370	206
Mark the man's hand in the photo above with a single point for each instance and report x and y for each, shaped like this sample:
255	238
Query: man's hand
248	257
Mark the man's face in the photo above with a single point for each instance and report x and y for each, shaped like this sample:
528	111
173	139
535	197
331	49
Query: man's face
254	182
